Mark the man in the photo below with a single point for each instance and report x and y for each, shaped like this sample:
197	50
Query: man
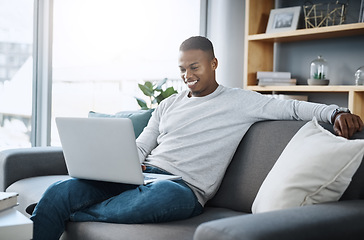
193	134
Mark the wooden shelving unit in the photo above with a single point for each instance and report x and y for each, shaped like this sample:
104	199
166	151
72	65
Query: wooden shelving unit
311	34
259	53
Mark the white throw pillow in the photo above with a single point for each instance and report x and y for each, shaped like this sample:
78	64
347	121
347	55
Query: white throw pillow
316	166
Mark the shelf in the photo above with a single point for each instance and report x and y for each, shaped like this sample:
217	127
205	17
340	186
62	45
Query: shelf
306	88
259	52
311	34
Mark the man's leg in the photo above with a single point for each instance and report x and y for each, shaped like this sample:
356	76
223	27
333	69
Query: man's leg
65	197
157	202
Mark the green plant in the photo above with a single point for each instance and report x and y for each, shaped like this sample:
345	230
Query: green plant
319	76
155	93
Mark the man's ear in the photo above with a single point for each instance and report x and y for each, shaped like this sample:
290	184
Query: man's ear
214	63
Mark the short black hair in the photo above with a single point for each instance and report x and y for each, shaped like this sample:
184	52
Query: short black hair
198	43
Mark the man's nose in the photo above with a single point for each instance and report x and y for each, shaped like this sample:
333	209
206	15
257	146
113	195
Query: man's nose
187	75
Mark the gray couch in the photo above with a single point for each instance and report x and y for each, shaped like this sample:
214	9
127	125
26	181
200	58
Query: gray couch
227	215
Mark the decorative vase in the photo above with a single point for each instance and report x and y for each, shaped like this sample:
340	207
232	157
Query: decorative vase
318	72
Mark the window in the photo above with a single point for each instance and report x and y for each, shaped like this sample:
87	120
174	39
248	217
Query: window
103	48
2	58
16	31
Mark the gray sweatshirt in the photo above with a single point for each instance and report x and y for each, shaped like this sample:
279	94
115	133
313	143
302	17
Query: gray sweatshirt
196	137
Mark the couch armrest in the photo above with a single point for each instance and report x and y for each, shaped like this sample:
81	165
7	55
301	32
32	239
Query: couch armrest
337	220
16	164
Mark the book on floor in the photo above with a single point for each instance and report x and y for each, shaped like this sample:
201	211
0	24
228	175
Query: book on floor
8	200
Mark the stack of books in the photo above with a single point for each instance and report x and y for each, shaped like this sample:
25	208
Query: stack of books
275	79
8	200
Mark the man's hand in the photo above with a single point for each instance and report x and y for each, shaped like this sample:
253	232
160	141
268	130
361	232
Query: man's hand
346	124
143	167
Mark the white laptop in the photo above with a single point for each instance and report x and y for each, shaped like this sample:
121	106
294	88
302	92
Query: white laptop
103	149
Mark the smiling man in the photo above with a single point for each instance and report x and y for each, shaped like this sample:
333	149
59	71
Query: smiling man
193	134
197	67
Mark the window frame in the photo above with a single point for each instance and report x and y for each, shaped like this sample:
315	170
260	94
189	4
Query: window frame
42	73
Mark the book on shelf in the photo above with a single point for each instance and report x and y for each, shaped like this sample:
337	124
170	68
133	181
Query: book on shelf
270	75
8	200
277	81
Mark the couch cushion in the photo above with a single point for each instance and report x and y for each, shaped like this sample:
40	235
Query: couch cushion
139	118
31	189
172	230
254	158
315	167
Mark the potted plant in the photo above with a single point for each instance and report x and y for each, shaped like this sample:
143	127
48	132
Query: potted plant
155	93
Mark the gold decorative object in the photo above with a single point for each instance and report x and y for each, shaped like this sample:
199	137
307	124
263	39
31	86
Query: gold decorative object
324	14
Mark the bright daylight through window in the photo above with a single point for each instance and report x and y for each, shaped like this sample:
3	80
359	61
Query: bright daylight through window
16	44
102	49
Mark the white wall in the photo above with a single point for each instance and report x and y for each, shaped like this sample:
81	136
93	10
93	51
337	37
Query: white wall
225	28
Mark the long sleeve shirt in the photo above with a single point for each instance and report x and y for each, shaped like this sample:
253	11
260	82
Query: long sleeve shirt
196	137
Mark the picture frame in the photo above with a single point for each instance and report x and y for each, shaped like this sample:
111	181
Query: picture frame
283	19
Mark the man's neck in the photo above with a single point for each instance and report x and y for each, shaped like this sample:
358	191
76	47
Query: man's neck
198	94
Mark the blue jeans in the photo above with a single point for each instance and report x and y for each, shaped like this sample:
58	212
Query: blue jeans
84	200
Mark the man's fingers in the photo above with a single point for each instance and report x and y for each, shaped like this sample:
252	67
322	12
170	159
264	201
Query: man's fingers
347	124
361	124
352	126
344	128
355	124
338	126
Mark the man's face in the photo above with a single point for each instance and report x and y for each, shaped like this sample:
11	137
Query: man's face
198	72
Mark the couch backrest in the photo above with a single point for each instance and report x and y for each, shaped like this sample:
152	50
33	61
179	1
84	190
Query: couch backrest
254	158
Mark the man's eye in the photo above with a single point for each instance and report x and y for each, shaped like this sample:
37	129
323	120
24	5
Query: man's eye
182	70
194	68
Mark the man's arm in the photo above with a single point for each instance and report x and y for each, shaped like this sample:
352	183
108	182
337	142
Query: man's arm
344	123
147	140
